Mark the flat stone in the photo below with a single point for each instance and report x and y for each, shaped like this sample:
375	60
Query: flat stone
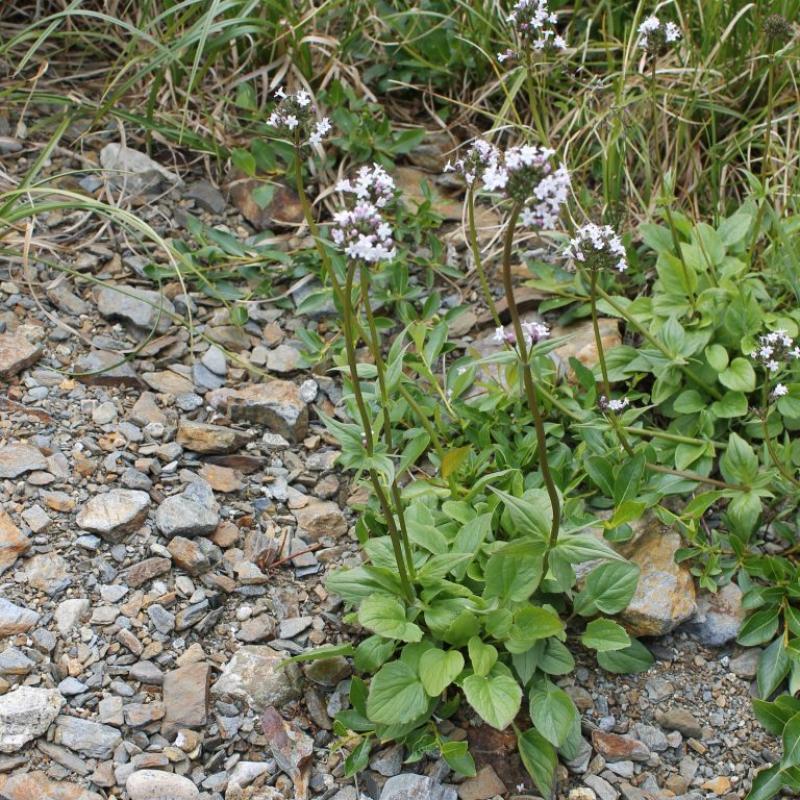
26	714
16	353
293	626
193	512
37	786
168	382
15	619
200	437
139	715
206	196
255	673
221	479
152	784
36	518
284	207
92	739
719	616
194	556
143	571
145	411
17	459
614	747
15	662
581	342
115	514
746	664
69	614
329	672
601	787
410	786
132	170
679	719
256	629
284	358
47	572
104	368
320	518
13	543
277	405
665	594
186	693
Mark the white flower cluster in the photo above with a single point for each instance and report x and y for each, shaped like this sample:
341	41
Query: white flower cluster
613	405
656	35
598	247
533	21
532	331
780	390
775	347
373	184
294	117
360	229
478	158
527	175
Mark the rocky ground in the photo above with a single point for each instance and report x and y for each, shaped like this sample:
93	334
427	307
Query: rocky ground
170	509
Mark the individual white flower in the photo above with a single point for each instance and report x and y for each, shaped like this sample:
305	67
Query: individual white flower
780	390
321	129
774	349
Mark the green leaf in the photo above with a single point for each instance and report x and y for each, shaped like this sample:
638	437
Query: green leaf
531	514
739	464
717	357
791	743
457	756
635	658
386	616
514	573
495	698
739	376
396	695
624	513
773	666
483	656
732	405
689	402
353	585
244	161
604	635
532	624
540	759
553	713
766	784
554	657
733	229
438	669
771	716
373	652
608	588
759	627
357	760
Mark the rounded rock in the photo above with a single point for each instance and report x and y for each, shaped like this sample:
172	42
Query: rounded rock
153	784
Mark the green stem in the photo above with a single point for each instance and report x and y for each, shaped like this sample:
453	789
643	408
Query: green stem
476	256
369	439
687	371
530	389
773	454
375	347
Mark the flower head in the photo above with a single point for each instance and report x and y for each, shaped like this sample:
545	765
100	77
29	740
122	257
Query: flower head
778	31
294	117
598	247
532	332
528	175
480	157
779	391
774	349
533	24
607	404
360	229
656	36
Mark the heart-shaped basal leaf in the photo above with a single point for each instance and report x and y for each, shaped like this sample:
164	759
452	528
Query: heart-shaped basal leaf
386	616
438	669
539	758
396	695
496	698
608	588
634	658
604	635
553	713
483	656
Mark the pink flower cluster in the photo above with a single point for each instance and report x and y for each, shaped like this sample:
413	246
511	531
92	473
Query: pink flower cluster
598	247
360	229
532	331
533	21
294	117
524	173
656	36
